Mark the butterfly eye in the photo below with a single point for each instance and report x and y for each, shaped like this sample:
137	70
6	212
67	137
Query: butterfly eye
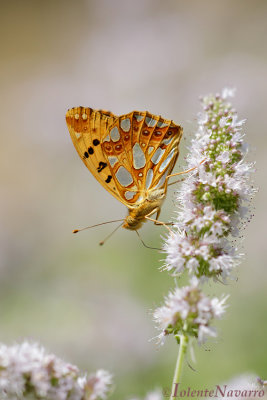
145	132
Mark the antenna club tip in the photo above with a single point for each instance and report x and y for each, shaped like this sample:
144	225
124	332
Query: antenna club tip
101	243
75	231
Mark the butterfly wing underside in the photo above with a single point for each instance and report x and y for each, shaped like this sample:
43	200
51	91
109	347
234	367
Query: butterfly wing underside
129	155
141	150
87	129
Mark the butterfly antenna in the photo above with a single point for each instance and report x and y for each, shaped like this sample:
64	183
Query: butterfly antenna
148	247
93	226
103	241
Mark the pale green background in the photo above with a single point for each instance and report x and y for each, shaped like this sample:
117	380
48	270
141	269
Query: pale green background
92	305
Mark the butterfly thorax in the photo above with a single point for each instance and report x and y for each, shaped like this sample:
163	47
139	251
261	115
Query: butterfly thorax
150	204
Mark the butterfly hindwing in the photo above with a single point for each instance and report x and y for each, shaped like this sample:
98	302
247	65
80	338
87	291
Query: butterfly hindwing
141	149
160	140
162	153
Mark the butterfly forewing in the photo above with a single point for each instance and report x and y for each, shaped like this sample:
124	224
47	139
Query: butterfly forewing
87	129
118	149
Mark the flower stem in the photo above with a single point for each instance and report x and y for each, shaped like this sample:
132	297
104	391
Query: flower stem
179	365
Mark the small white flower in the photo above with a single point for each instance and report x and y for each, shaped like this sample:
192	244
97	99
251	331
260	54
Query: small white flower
202	118
192	265
100	384
222	263
204	332
186	248
235	123
223	121
237	138
228	92
206	177
163	316
218	306
224	157
175	258
203	251
217	229
209	213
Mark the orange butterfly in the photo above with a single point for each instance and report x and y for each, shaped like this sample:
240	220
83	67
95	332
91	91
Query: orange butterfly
131	156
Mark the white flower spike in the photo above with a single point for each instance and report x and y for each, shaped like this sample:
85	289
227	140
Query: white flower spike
212	201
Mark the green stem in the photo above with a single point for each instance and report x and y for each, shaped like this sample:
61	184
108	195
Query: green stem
179	365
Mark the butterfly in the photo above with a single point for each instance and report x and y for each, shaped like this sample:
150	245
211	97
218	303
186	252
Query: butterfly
130	155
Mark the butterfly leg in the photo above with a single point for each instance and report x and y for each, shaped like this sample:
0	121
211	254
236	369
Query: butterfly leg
185	172
156	222
157	218
159	223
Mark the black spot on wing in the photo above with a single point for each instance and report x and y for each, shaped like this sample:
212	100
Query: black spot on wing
101	166
108	179
90	150
96	142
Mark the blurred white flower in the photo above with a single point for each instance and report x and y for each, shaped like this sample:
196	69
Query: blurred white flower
228	92
242	387
28	371
98	385
153	395
224	157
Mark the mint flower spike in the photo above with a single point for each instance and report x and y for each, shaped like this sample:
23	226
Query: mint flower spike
187	311
27	371
213	201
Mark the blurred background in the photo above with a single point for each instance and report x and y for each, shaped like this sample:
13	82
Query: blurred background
92	305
